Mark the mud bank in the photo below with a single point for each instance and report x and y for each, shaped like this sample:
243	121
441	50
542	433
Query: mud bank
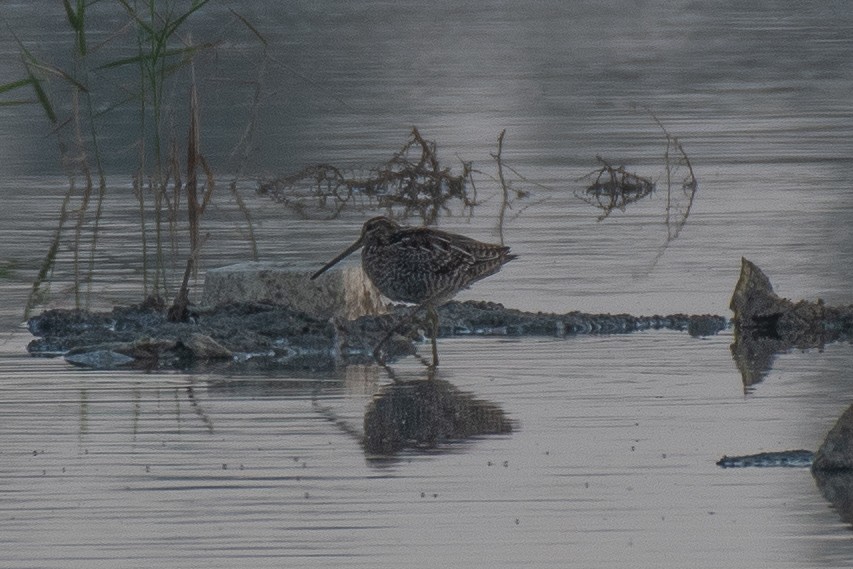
258	335
262	334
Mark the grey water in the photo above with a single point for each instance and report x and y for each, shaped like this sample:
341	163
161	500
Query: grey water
611	459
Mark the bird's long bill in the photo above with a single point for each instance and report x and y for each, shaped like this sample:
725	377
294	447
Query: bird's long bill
346	252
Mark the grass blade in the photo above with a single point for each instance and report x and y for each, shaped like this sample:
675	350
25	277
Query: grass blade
252	28
77	21
59	73
43	99
187	52
15	85
171	28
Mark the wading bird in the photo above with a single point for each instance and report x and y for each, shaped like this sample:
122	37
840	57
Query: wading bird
420	265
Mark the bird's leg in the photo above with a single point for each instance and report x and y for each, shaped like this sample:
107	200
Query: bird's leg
432	317
377	351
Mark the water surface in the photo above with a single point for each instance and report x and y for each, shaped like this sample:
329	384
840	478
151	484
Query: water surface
611	459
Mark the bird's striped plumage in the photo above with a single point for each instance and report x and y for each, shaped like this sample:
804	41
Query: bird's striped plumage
421	265
418	264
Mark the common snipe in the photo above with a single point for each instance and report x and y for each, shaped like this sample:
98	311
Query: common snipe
420	265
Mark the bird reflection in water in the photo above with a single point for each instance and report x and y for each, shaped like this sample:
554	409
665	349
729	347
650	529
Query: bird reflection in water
421	414
424	415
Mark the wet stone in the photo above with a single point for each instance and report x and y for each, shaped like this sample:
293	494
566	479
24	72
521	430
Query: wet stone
836	452
346	293
99	359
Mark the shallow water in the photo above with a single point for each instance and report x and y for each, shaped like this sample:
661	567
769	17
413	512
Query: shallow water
611	462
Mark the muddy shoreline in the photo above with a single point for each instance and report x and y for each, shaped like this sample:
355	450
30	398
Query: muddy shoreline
259	335
277	335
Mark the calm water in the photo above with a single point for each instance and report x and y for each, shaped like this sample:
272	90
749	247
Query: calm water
611	461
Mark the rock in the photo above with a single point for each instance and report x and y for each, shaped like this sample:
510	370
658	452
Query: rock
204	347
766	324
492	319
142	352
149	352
836	452
99	359
753	300
804	324
67	322
833	466
345	293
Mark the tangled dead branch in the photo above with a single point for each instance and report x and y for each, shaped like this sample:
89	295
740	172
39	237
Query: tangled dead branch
411	183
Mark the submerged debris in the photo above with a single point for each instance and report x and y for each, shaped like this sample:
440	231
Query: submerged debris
236	333
411	183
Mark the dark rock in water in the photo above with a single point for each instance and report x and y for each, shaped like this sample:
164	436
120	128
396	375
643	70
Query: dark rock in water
143	333
149	352
810	324
833	466
61	322
836	486
836	452
766	324
788	458
204	347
